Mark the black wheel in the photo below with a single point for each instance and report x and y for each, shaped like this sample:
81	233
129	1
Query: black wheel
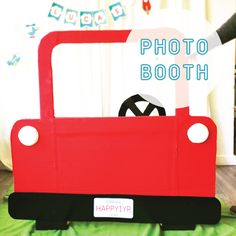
50	224
166	227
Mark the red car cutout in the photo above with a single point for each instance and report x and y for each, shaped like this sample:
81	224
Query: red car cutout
131	169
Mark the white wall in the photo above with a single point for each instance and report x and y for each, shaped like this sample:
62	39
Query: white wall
19	96
222	98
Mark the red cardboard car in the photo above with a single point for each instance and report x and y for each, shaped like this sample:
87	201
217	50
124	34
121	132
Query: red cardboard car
131	169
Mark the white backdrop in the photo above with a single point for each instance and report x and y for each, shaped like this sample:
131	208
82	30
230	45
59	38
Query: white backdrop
19	96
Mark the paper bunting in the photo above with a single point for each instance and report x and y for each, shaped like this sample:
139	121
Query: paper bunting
89	19
117	10
56	11
86	18
146	6
99	18
71	17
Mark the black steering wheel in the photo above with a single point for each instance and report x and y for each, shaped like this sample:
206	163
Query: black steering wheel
131	104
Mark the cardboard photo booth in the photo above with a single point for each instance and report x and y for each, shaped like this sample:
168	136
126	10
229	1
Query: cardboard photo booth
143	169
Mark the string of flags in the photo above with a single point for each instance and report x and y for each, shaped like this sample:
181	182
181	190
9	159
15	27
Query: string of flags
86	19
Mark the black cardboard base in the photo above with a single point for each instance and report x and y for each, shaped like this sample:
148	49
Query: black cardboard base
52	211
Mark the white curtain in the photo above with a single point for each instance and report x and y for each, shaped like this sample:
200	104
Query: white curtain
88	80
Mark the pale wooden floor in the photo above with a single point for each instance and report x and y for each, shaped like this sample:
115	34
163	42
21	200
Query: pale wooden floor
6	180
225	183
